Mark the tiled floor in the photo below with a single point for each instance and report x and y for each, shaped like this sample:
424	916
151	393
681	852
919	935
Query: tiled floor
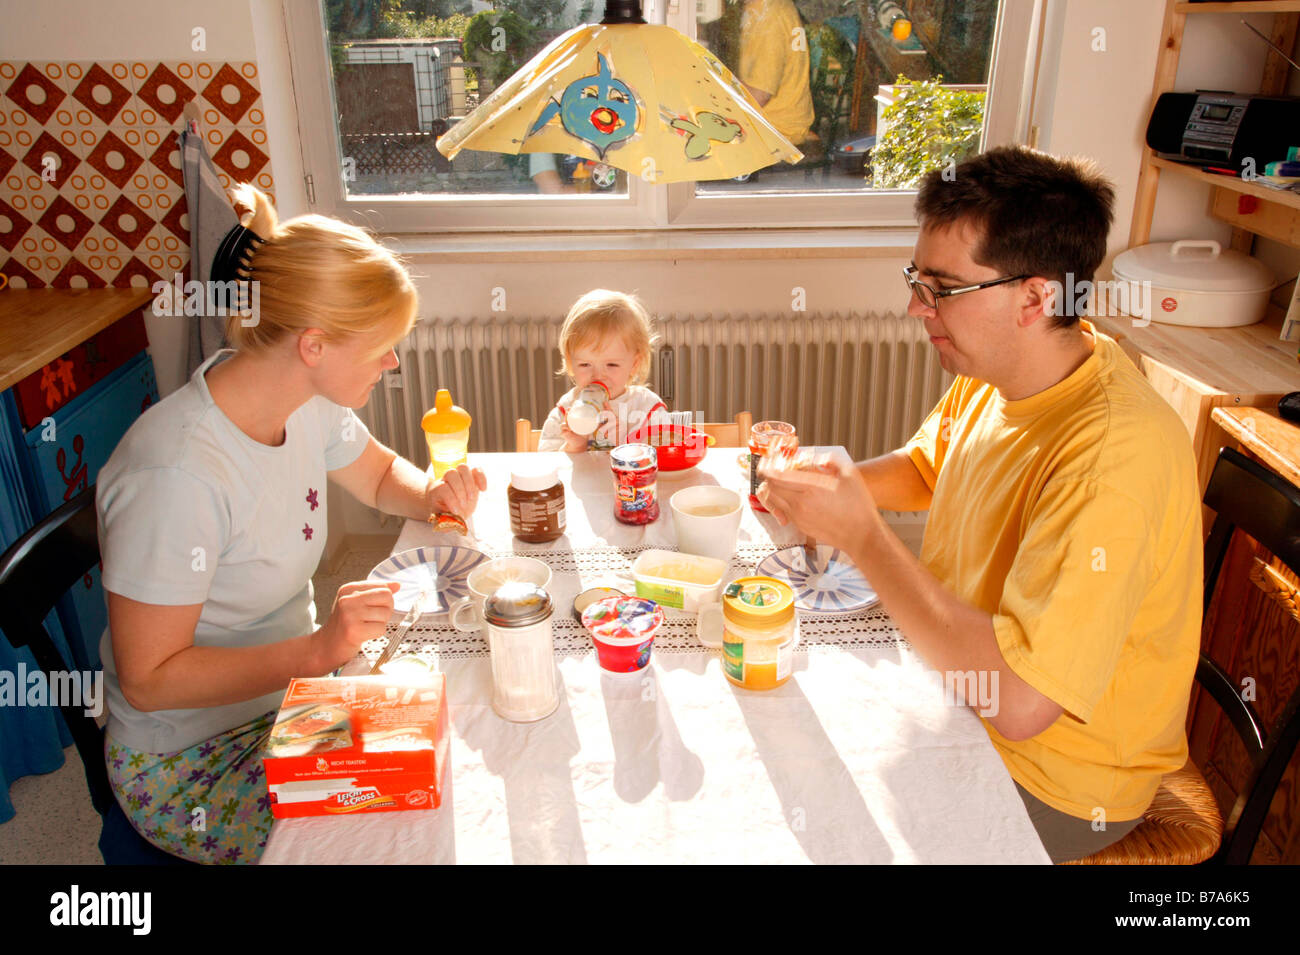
54	821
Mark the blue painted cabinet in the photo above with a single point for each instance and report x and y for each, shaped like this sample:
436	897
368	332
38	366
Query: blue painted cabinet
62	458
84	433
58	427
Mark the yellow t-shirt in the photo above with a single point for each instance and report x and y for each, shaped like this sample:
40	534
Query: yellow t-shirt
774	59
1073	517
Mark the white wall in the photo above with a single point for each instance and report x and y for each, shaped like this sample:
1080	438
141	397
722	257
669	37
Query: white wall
126	30
1094	103
683	286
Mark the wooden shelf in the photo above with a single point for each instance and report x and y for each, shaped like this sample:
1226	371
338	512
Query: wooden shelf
1233	183
39	325
1258	6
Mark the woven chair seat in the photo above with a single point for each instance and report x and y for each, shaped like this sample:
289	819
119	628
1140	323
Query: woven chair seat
1182	826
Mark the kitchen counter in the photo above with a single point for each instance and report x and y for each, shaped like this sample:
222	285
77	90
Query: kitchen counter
1271	438
39	325
1246	360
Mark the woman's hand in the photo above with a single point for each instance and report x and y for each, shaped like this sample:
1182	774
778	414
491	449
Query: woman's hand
361	612
831	504
457	492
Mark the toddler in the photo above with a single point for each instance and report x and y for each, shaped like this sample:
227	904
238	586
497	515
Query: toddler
607	337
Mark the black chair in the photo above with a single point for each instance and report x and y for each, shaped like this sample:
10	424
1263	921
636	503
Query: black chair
35	572
1251	498
1183	823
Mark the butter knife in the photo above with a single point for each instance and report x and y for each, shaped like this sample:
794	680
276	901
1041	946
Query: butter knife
411	616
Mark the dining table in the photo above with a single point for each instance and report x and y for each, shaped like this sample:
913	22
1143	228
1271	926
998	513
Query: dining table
860	757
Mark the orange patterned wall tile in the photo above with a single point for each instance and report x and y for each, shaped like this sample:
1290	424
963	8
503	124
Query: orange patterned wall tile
91	190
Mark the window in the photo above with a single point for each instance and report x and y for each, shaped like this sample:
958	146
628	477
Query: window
403	75
874	93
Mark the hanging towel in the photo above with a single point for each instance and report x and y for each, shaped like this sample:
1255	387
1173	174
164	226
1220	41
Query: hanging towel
211	217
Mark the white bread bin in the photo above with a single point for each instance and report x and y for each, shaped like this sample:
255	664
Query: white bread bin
1196	282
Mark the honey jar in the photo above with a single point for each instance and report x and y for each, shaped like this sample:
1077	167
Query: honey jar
759	631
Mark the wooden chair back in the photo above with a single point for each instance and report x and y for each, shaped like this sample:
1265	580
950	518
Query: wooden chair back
1248	497
725	434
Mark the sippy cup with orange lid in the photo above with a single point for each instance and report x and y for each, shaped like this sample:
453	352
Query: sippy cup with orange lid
446	429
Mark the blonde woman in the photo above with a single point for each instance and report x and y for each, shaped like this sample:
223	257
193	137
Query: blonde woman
212	519
606	337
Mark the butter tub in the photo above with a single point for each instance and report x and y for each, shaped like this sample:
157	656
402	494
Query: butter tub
681	581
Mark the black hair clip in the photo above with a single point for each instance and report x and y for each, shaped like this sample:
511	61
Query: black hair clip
234	254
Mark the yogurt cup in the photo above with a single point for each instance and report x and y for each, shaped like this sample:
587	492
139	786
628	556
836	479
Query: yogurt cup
623	631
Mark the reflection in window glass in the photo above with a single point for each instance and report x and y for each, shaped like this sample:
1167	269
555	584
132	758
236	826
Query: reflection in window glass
874	92
405	71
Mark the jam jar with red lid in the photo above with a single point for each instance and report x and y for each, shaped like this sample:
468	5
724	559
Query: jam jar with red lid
636	468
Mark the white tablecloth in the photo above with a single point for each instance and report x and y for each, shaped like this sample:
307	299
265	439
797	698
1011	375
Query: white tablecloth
856	759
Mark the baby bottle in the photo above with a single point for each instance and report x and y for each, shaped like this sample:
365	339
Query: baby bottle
584	414
446	429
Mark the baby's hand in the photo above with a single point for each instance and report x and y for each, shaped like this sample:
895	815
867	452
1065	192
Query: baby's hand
573	443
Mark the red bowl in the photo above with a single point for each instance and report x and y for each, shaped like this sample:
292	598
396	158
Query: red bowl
679	448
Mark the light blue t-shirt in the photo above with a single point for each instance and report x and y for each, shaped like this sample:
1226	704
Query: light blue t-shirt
192	510
541	162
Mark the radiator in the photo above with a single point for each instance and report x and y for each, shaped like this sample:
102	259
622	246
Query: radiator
863	381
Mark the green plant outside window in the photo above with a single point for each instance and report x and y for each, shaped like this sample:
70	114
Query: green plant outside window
927	127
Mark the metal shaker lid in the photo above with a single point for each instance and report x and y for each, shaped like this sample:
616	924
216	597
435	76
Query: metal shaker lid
517	604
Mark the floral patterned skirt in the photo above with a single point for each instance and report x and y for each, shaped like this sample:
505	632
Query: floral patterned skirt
207	803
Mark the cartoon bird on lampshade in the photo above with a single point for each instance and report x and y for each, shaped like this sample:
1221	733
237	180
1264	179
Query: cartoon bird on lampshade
638	96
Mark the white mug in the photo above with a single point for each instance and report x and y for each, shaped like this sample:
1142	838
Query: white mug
484	580
708	535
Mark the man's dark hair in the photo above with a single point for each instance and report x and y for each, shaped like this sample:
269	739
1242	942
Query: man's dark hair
1037	214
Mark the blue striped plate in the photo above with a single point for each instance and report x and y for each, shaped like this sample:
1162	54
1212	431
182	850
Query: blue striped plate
413	569
824	580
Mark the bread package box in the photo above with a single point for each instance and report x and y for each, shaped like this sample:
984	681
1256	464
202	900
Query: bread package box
358	744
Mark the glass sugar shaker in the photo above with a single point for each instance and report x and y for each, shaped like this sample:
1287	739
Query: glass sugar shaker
517	618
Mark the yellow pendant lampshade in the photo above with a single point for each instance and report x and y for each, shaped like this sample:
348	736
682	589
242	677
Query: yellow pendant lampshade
639	96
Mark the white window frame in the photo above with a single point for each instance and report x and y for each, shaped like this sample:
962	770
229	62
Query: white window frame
646	207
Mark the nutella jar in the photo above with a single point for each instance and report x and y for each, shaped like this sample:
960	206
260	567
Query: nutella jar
536	505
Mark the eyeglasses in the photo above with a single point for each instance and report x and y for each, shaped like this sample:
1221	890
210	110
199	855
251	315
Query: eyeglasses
929	295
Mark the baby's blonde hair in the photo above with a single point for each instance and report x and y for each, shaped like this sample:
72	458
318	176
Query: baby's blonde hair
602	314
317	272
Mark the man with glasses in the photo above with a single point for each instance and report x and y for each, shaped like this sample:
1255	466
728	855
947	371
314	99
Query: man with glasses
1062	553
